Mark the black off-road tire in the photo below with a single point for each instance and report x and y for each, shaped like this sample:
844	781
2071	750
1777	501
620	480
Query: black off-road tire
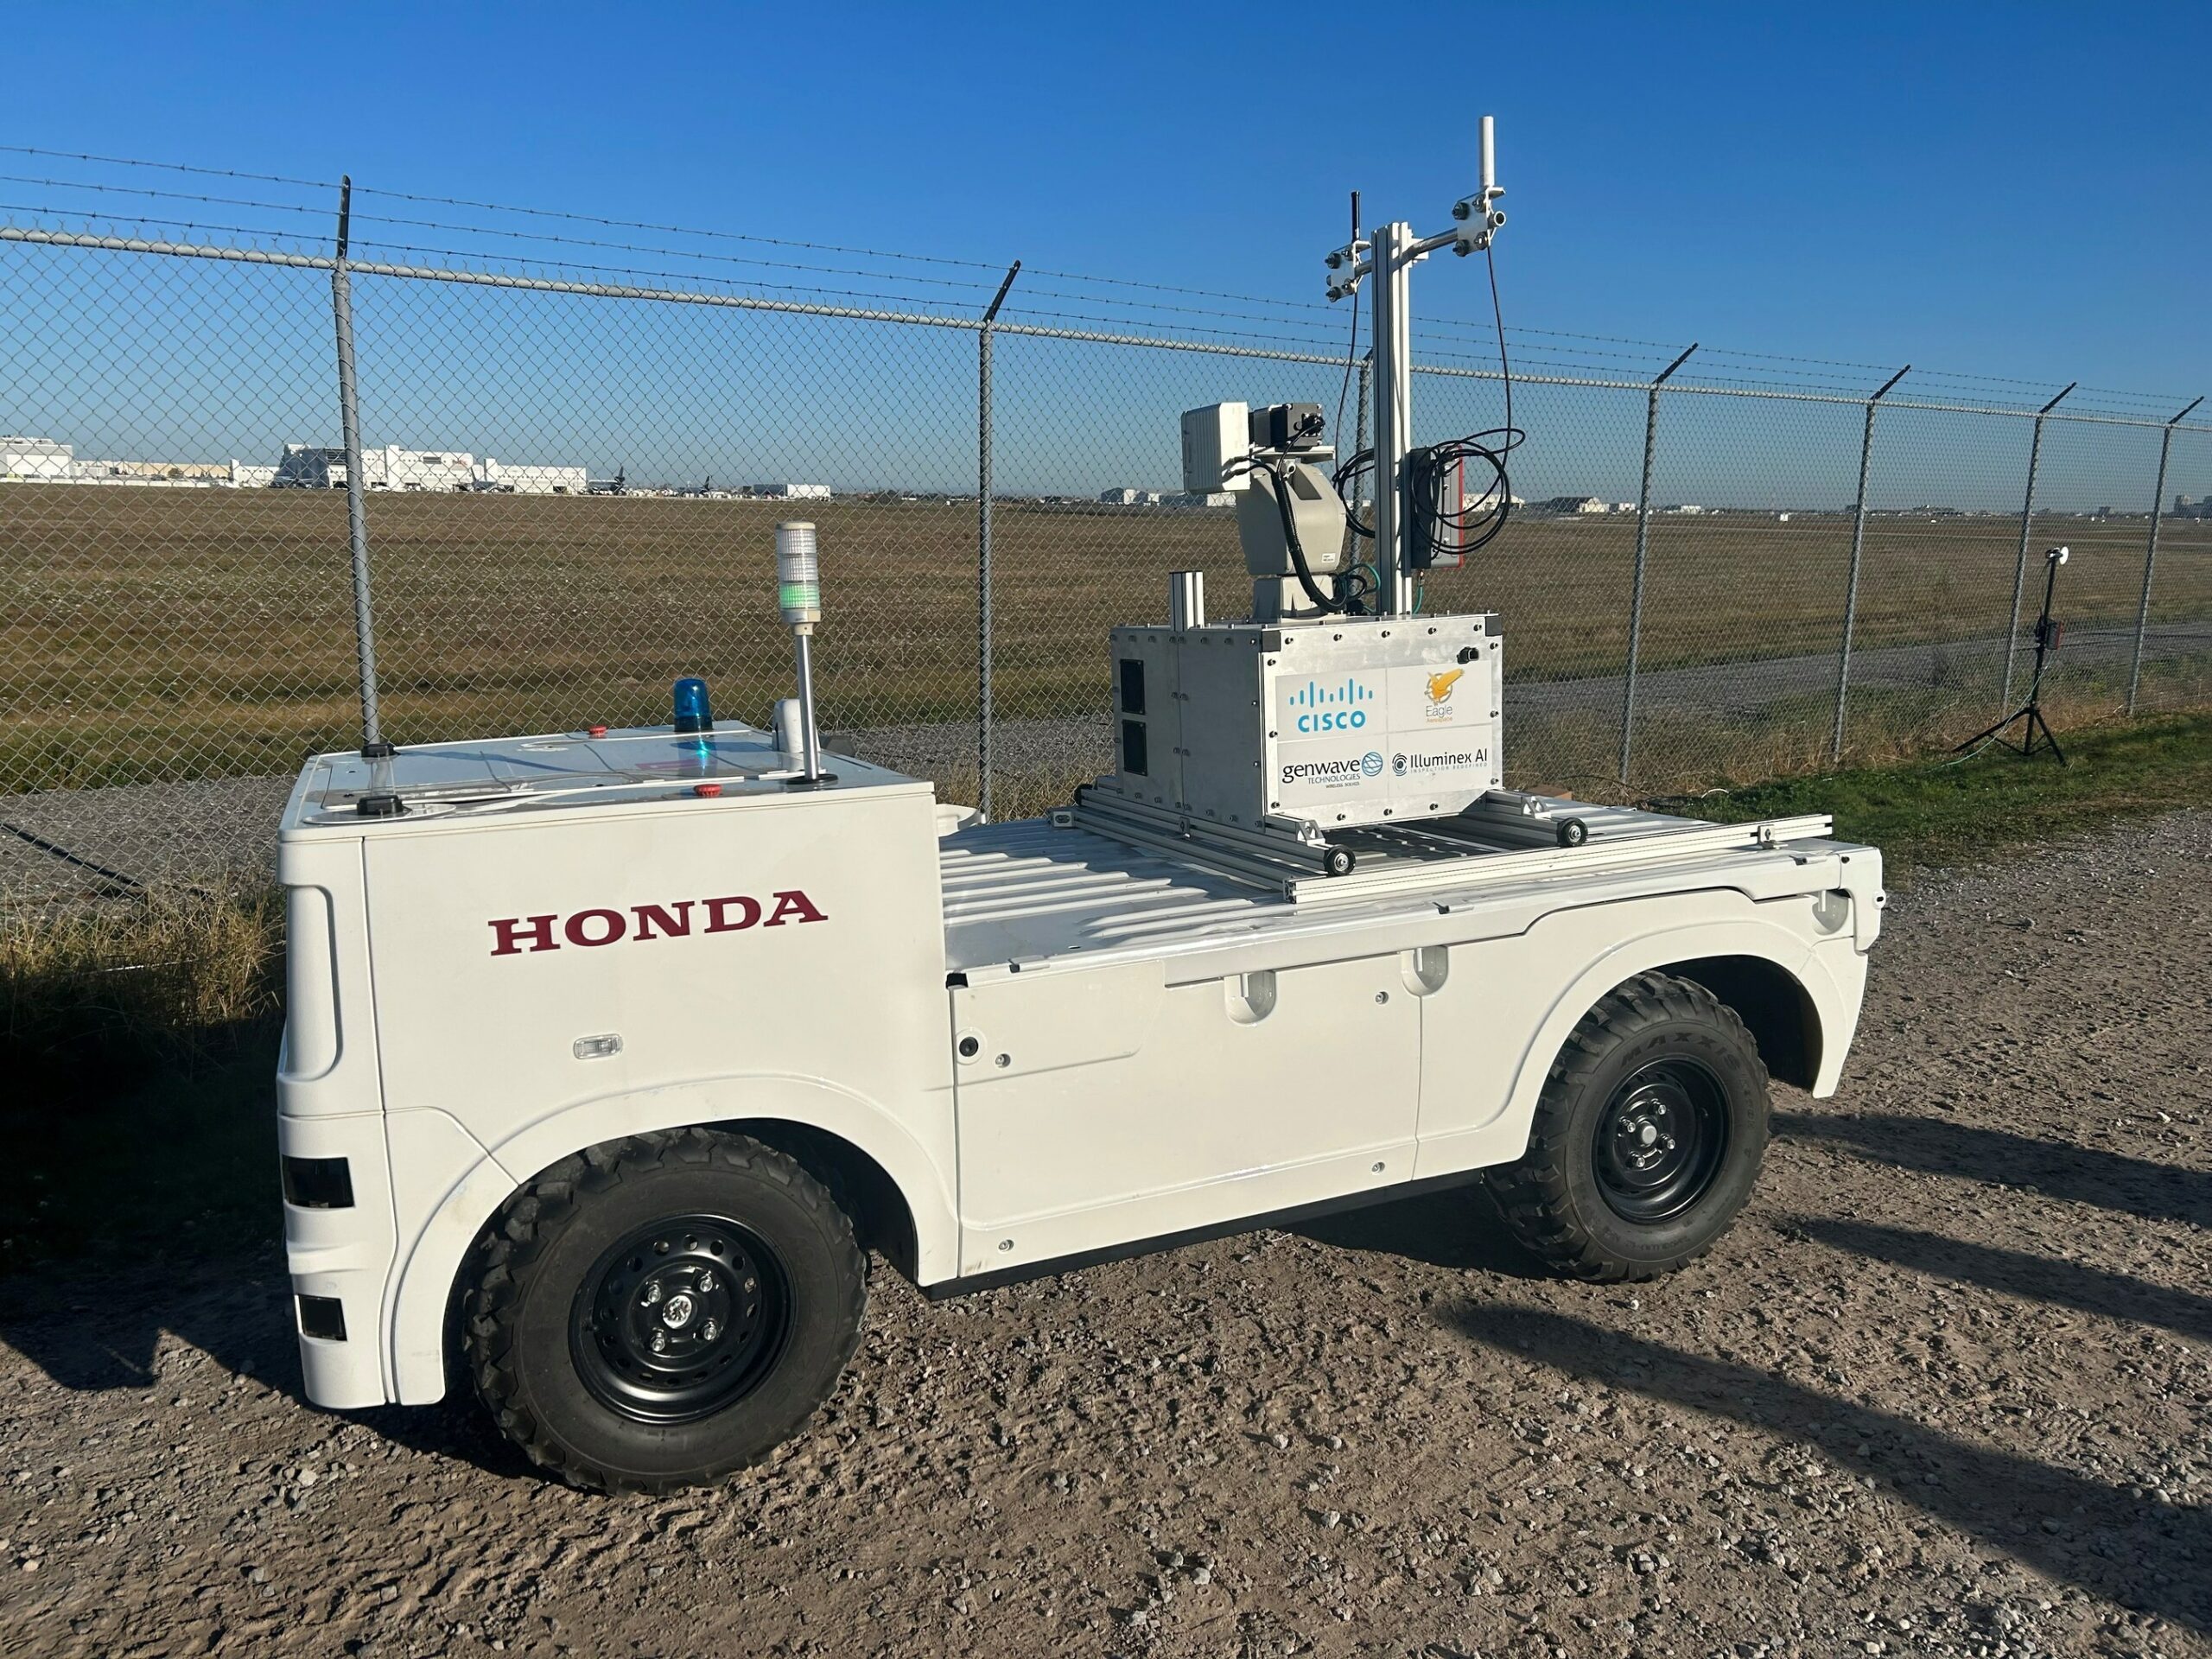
529	1312
1566	1198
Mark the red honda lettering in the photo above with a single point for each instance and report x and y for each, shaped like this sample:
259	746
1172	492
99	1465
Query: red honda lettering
579	926
674	921
512	931
718	919
794	905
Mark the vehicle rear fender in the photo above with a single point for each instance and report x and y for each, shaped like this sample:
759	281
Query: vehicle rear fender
421	1305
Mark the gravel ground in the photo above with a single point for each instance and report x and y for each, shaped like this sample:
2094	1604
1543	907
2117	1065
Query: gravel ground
1947	1389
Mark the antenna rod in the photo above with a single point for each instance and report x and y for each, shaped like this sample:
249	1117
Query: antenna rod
1489	155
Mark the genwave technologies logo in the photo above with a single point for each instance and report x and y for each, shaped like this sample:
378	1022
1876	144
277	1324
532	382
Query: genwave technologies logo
1370	764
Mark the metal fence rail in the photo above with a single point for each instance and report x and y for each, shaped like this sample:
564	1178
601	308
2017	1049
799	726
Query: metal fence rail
1777	580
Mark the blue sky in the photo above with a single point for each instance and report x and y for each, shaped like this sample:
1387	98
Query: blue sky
2021	191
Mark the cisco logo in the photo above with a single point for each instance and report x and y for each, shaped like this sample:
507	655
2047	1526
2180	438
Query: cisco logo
1330	707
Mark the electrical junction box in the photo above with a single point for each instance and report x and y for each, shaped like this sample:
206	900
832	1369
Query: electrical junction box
1342	722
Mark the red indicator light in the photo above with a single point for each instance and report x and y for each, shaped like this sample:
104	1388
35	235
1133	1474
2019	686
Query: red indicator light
706	791
595	731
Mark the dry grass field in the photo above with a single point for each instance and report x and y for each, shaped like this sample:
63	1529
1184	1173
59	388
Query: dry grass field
149	634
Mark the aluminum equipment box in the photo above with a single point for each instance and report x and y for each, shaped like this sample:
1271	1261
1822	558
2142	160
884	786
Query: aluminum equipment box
1340	721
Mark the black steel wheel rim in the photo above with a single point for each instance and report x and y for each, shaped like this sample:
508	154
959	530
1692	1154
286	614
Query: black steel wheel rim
1661	1140
683	1317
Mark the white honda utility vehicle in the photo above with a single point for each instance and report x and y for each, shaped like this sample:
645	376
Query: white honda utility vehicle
608	1054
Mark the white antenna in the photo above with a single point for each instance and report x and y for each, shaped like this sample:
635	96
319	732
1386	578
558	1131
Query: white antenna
1388	256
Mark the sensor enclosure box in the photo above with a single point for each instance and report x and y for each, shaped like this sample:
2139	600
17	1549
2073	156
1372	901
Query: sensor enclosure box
1213	437
1346	721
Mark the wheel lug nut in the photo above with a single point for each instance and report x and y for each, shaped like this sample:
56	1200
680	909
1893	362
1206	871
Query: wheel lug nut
710	1330
653	1293
706	1282
660	1341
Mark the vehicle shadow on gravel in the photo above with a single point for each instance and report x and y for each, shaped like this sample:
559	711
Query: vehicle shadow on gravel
89	1341
2014	1273
242	1321
1457	1228
2073	1529
2110	1180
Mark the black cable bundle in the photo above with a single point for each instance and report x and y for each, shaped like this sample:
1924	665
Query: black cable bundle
1437	521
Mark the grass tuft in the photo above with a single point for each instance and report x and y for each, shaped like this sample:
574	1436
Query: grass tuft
1926	812
172	977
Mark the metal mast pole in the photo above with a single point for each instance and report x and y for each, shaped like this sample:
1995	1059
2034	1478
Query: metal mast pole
1387	262
1393	397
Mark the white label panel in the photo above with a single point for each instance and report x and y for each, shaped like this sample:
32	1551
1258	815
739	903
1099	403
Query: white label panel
1449	758
1329	770
1438	696
1338	704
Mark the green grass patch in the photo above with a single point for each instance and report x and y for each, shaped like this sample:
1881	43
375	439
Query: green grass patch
1930	812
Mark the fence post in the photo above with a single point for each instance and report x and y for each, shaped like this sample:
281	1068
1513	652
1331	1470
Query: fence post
1857	553
357	518
1642	552
983	544
2027	528
2150	556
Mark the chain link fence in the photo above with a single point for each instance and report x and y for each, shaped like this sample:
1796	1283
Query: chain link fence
573	457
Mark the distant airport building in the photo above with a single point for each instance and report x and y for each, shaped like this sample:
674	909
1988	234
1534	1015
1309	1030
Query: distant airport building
393	467
37	459
1582	504
793	492
153	471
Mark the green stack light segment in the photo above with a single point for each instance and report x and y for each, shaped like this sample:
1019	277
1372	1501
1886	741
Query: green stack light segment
798	575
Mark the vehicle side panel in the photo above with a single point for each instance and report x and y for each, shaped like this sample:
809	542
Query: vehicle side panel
1101	1106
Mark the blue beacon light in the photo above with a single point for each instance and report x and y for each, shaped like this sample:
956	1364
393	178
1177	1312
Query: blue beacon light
693	713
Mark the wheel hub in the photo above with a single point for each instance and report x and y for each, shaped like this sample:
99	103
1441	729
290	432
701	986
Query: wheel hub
1660	1140
679	1318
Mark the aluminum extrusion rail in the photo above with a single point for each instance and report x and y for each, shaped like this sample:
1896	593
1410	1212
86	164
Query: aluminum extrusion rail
1453	859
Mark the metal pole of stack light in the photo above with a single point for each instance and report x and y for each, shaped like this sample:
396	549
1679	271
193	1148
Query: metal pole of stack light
798	592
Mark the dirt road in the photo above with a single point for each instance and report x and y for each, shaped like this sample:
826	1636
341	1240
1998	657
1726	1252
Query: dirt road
1947	1389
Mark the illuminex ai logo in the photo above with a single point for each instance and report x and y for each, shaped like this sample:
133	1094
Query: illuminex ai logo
1403	763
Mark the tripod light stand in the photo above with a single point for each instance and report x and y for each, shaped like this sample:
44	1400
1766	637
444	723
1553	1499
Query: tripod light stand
2029	715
